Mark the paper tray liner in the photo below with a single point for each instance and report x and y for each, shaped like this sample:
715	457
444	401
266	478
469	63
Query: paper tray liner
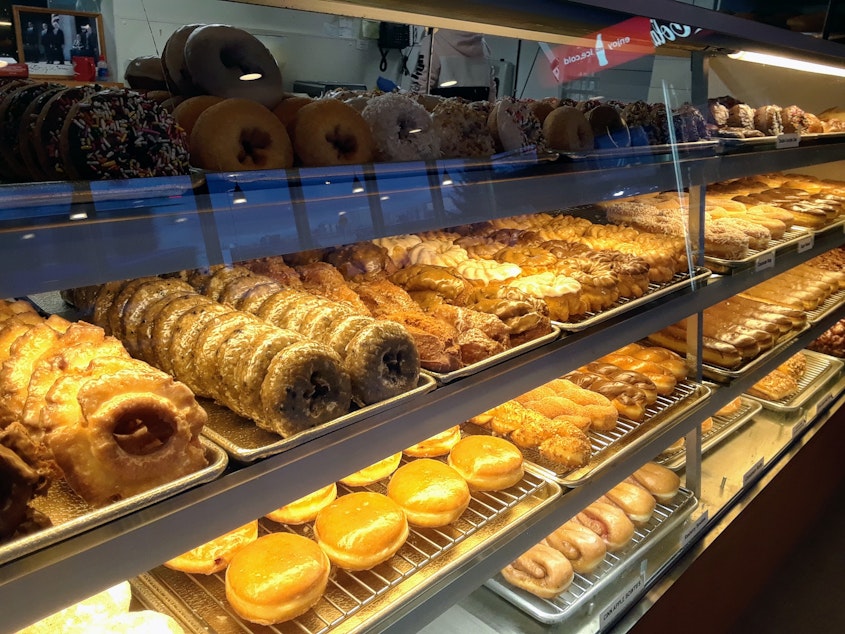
72	516
608	446
723	426
820	368
590	594
356	601
624	304
244	441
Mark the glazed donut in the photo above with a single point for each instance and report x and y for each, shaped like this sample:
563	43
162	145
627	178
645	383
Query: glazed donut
402	129
239	134
581	546
188	111
176	72
329	132
229	62
145	73
567	129
541	570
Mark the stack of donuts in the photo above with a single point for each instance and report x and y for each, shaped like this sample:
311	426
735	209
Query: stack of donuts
75	405
580	546
52	132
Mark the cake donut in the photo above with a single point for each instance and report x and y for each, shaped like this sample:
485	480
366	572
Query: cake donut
229	62
514	126
48	129
26	132
145	73
176	73
119	134
402	129
239	134
768	120
609	128
330	132
12	107
188	111
566	128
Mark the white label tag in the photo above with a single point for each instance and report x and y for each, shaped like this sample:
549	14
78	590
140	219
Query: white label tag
692	531
800	426
625	598
765	261
753	472
789	139
805	244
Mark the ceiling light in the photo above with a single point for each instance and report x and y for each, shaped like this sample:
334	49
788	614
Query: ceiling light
787	62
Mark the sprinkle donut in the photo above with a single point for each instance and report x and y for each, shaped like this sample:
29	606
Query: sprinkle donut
229	62
48	129
330	132
12	107
239	134
567	129
119	134
402	129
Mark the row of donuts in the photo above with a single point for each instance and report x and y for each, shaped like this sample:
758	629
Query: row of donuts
52	132
732	118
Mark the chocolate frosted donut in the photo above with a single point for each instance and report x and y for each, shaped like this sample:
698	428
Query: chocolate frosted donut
176	74
609	128
48	129
12	107
146	73
229	62
26	132
119	134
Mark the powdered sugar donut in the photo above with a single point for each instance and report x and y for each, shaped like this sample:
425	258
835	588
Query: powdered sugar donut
463	130
402	129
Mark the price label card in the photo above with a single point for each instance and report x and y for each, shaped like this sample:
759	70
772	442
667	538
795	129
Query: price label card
694	529
800	426
805	244
623	600
824	402
765	261
789	139
753	472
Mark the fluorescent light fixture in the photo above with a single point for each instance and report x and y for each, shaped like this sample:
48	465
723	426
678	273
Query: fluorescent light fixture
250	76
787	62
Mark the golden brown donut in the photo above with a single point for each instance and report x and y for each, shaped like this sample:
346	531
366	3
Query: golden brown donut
189	110
330	132
431	493
661	482
276	578
305	509
567	129
487	463
581	546
437	445
239	134
609	522
541	570
287	108
214	555
375	472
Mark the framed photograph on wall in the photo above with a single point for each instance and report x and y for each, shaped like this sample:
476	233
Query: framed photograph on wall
50	39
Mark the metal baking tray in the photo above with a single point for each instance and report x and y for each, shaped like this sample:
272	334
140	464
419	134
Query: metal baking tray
590	595
820	367
244	441
357	601
836	225
792	237
829	305
610	446
723	375
679	282
722	427
71	516
447	377
692	147
727	143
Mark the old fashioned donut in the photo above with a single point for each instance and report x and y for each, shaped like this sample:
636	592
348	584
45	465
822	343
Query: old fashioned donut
119	134
239	134
176	73
566	128
329	132
229	62
146	73
402	129
188	111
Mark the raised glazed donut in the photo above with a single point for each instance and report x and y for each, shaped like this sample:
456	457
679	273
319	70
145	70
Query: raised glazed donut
176	72
402	129
239	134
229	62
329	132
566	128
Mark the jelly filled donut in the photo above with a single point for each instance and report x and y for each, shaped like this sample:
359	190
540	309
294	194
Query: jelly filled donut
566	128
119	134
229	62
239	134
176	73
402	129
329	132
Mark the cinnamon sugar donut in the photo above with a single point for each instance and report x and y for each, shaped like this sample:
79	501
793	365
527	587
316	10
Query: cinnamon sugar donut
330	132
402	129
239	134
567	129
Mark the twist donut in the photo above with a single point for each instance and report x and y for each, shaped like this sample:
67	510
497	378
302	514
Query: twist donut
229	62
402	129
566	128
239	134
176	73
330	132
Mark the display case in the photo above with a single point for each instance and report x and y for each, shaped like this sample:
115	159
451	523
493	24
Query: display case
58	235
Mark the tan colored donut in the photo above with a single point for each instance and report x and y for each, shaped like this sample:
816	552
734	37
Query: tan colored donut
240	134
287	108
566	128
188	111
330	132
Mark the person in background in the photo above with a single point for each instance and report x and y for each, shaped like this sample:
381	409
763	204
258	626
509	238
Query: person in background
55	43
30	42
88	42
450	61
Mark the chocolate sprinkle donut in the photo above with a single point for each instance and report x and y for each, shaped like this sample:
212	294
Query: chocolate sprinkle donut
120	134
48	129
12	108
